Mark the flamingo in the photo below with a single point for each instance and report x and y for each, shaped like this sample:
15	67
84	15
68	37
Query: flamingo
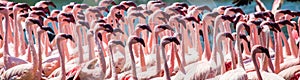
209	68
59	37
133	40
25	69
261	74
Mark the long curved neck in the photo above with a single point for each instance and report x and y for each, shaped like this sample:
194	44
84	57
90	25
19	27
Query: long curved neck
79	44
91	48
278	51
294	47
16	34
112	63
256	65
6	52
101	56
167	73
62	60
39	55
207	50
133	67
22	39
216	27
240	61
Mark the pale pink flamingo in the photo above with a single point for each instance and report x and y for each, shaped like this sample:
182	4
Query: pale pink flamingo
260	75
59	37
210	67
25	69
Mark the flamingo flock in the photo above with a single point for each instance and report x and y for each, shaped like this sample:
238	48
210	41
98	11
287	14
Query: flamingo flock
157	41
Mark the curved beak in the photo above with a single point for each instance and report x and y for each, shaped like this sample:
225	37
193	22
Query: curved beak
99	35
117	42
228	35
265	50
118	30
191	19
52	18
283	22
130	3
1	37
36	21
68	36
50	3
147	27
84	23
25	6
166	26
174	39
113	3
83	6
247	28
47	28
140	40
108	28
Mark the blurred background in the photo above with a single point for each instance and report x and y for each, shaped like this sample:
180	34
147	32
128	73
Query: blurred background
211	3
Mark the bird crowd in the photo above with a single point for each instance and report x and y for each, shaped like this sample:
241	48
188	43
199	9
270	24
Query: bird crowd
156	41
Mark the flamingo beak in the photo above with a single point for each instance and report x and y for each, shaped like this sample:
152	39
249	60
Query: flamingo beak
118	30
228	35
140	40
67	36
50	3
247	28
265	50
174	39
147	27
1	37
84	23
47	28
46	10
118	42
99	36
83	6
113	3
108	28
35	21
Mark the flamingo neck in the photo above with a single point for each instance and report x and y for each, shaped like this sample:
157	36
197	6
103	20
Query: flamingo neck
6	51
166	68
207	49
62	60
39	55
133	67
113	65
79	45
101	56
16	34
256	65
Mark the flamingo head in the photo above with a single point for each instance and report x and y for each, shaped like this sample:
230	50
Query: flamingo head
54	12
46	4
44	29
162	27
135	39
113	43
81	6
38	13
144	27
52	18
285	22
168	39
32	21
23	6
45	10
66	36
84	23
